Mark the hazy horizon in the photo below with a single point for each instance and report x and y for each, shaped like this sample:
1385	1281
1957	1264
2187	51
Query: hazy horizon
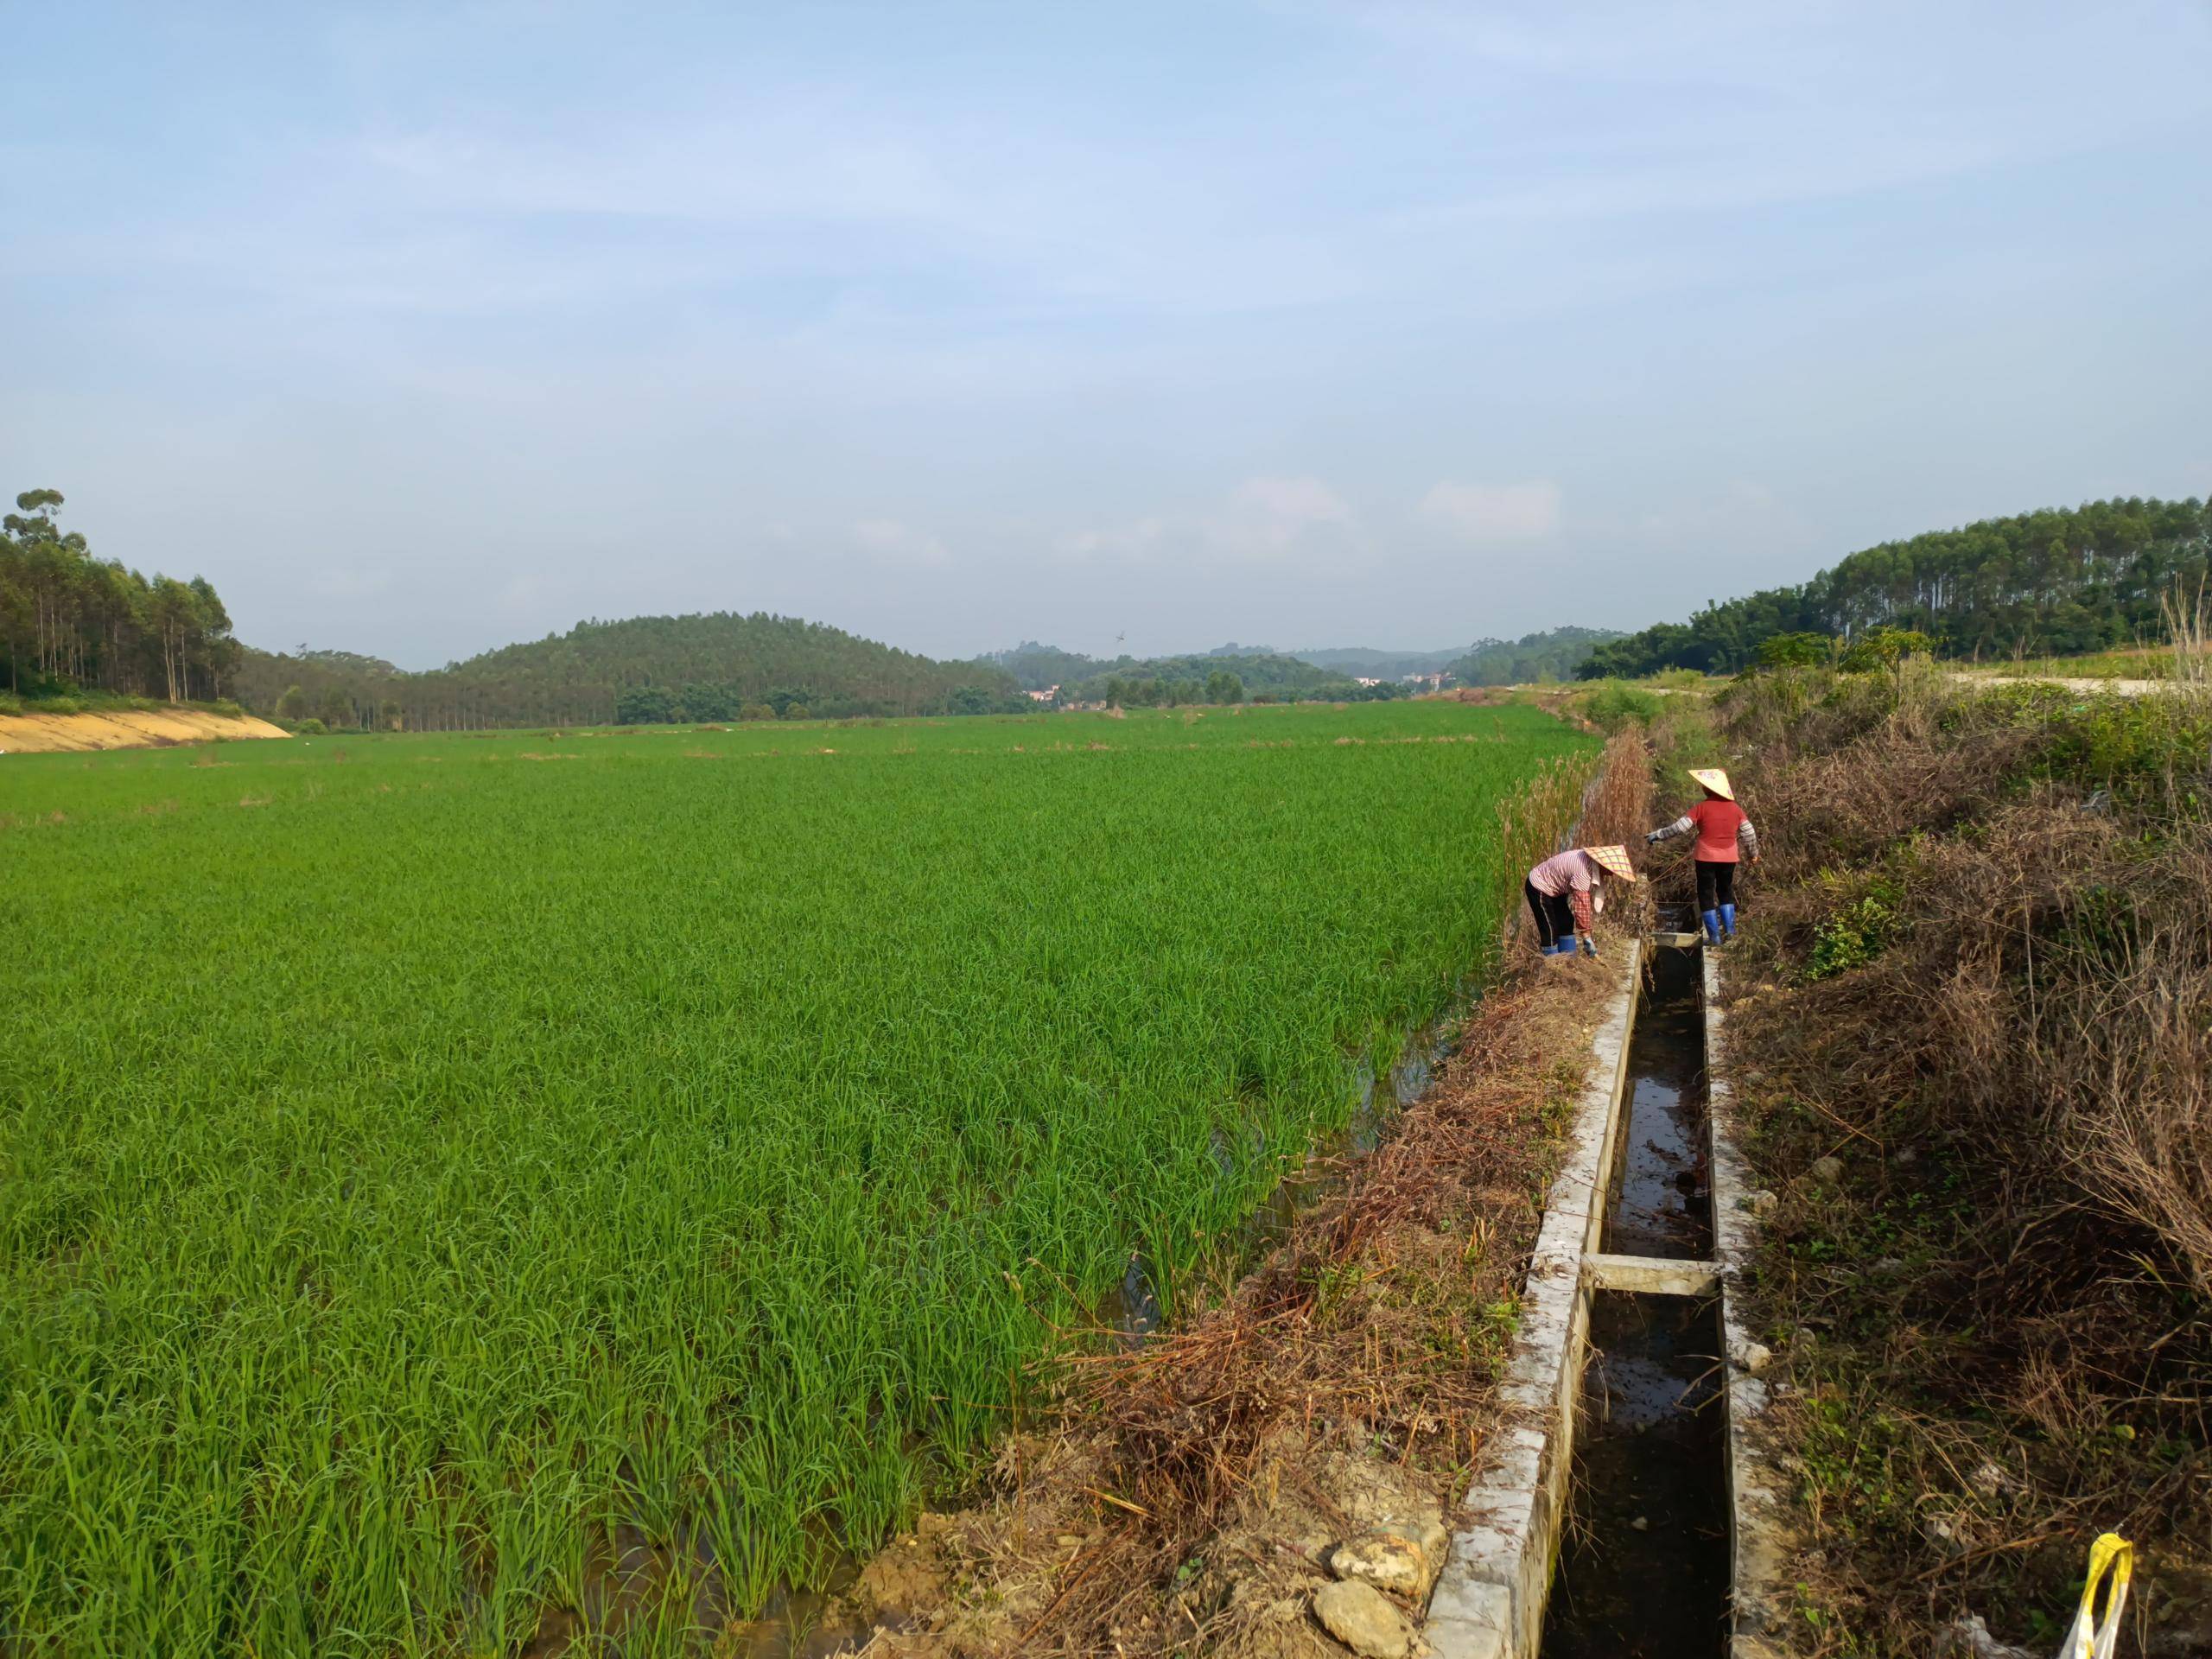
421	330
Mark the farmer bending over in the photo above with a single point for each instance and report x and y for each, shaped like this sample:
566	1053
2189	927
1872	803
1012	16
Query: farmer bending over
1565	894
1724	835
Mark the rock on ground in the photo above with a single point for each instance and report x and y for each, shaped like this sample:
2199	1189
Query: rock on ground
1357	1615
1404	1562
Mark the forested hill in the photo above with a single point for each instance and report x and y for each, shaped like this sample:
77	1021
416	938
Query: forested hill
715	666
2047	584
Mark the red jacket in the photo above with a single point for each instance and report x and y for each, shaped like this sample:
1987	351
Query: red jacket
1721	826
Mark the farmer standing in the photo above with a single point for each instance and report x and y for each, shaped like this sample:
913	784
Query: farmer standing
1565	892
1724	836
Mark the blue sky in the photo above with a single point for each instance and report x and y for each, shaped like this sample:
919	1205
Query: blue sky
419	329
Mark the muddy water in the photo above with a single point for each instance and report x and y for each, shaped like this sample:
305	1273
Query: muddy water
1661	1202
1643	1572
631	1585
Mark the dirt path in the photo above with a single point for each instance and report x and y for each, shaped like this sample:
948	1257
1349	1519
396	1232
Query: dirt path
129	728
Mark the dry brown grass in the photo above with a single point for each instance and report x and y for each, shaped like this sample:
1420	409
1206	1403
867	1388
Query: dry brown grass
2001	1313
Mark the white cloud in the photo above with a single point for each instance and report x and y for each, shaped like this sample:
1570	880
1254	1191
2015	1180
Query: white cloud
1268	517
1263	519
1496	512
894	543
1116	541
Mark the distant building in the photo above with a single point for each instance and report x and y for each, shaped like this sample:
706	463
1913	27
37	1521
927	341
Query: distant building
1362	680
1046	696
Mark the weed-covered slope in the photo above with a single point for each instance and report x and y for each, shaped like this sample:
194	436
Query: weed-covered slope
1972	1011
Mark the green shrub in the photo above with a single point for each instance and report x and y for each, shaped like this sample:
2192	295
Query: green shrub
1796	650
1883	648
1858	933
2146	751
308	728
10	703
227	708
1612	706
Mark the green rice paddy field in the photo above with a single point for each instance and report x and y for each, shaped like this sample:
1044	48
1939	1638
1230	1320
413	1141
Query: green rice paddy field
420	1155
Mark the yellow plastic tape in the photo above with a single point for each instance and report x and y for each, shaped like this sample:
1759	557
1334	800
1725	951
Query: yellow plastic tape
2093	1637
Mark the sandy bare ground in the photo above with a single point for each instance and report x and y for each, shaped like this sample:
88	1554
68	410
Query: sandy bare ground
2118	687
125	729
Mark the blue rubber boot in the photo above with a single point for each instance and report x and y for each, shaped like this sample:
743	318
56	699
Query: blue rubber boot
1713	927
1728	920
1562	947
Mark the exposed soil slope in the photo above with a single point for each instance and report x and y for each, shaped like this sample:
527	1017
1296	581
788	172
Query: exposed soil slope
130	728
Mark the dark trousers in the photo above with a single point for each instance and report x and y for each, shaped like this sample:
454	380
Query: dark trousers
1554	917
1716	883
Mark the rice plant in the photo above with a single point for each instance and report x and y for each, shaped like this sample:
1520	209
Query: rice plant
429	1162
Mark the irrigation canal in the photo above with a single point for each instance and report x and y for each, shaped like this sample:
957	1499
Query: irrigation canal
1644	1567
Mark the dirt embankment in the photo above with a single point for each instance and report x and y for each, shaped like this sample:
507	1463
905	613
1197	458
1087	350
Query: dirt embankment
129	728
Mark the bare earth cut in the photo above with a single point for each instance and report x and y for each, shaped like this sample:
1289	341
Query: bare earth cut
126	728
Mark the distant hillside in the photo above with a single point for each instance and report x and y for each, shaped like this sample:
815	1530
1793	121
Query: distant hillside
1555	655
1328	671
1035	667
2053	582
1147	680
1182	679
702	667
1382	665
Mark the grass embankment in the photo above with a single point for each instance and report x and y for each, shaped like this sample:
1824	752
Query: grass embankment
428	1159
1972	1012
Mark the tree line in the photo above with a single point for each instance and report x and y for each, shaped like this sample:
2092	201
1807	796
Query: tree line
1223	687
662	705
71	623
1146	681
2055	582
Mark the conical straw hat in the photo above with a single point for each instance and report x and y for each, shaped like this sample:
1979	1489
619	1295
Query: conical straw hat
1614	858
1714	779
